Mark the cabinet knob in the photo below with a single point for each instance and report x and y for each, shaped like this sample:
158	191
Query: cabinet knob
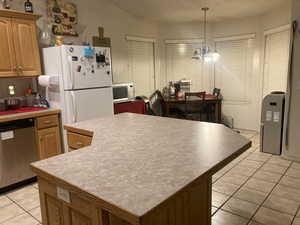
20	68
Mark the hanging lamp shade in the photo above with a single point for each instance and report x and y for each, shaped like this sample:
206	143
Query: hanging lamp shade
204	53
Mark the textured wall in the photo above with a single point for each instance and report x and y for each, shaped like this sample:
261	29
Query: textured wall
247	116
92	14
292	150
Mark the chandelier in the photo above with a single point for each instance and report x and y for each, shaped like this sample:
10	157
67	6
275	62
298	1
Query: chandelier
204	53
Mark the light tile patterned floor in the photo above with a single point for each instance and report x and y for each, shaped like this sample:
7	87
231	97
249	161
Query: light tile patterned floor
254	189
257	189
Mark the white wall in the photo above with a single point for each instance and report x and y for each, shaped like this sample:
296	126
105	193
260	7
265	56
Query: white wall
246	115
291	147
182	31
116	22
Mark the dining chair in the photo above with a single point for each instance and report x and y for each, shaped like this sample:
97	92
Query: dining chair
217	92
156	102
212	108
194	109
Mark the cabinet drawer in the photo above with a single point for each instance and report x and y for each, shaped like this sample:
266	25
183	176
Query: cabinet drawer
47	121
76	141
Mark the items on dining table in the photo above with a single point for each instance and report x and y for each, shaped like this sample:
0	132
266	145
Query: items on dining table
185	85
172	90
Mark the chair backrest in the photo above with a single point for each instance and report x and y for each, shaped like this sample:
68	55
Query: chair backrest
194	106
156	104
216	92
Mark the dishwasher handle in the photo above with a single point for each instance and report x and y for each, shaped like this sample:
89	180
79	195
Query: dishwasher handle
16	124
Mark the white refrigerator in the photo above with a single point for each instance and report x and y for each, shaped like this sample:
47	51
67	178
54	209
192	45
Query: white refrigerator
84	81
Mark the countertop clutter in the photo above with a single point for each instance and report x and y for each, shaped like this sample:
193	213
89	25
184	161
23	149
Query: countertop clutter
156	158
25	113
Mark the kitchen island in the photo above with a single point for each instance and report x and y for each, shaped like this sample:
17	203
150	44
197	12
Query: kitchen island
138	170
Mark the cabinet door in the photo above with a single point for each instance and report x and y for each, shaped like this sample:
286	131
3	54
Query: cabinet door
26	47
7	53
49	142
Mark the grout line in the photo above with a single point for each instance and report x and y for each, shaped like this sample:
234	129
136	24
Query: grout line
261	205
25	211
251	176
295	216
242	185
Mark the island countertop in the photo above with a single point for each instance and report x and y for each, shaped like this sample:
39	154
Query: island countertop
136	161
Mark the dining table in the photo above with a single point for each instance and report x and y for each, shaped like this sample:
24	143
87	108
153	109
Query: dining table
170	102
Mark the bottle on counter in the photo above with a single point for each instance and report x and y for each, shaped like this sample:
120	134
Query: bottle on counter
28	6
171	89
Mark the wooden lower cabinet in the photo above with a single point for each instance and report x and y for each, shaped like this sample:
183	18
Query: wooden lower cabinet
191	206
77	141
48	136
49	142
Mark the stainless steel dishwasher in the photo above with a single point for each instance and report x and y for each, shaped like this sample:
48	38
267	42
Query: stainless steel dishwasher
17	151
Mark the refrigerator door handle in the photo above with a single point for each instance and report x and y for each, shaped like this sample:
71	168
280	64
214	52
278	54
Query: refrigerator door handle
71	73
74	107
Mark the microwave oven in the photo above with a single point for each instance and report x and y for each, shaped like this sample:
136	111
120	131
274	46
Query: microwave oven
123	92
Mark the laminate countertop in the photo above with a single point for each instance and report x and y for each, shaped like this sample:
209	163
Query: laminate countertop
136	161
26	115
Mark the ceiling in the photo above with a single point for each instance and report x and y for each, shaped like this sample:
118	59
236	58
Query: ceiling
190	10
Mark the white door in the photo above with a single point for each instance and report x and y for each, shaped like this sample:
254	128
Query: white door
276	62
82	72
141	67
88	104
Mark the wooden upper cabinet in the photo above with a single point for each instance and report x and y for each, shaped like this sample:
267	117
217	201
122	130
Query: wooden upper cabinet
19	44
8	65
26	47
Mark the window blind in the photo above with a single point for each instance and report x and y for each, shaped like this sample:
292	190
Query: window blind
141	67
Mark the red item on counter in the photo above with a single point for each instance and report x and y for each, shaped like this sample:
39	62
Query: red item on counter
137	106
21	110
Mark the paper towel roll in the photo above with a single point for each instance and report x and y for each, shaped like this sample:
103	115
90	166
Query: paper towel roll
44	80
48	81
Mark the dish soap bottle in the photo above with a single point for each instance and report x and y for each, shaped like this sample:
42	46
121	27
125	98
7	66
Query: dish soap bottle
28	6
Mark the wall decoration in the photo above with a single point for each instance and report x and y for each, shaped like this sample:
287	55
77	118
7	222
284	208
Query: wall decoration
62	16
101	41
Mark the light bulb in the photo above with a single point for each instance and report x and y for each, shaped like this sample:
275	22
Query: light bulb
215	56
207	58
197	54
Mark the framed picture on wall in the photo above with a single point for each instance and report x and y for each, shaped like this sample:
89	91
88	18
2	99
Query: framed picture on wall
63	17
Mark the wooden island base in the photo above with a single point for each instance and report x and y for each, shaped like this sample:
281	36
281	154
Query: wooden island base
63	204
130	175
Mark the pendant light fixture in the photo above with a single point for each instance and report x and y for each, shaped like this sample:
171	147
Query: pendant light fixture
204	53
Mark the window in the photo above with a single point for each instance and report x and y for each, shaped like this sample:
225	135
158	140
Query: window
233	71
179	65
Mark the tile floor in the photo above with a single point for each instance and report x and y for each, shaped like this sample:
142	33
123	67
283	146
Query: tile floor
257	189
254	189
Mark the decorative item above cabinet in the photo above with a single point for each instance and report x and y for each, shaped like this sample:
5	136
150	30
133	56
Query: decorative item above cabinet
19	44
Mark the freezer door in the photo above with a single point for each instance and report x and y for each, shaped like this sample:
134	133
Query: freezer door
88	104
82	72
